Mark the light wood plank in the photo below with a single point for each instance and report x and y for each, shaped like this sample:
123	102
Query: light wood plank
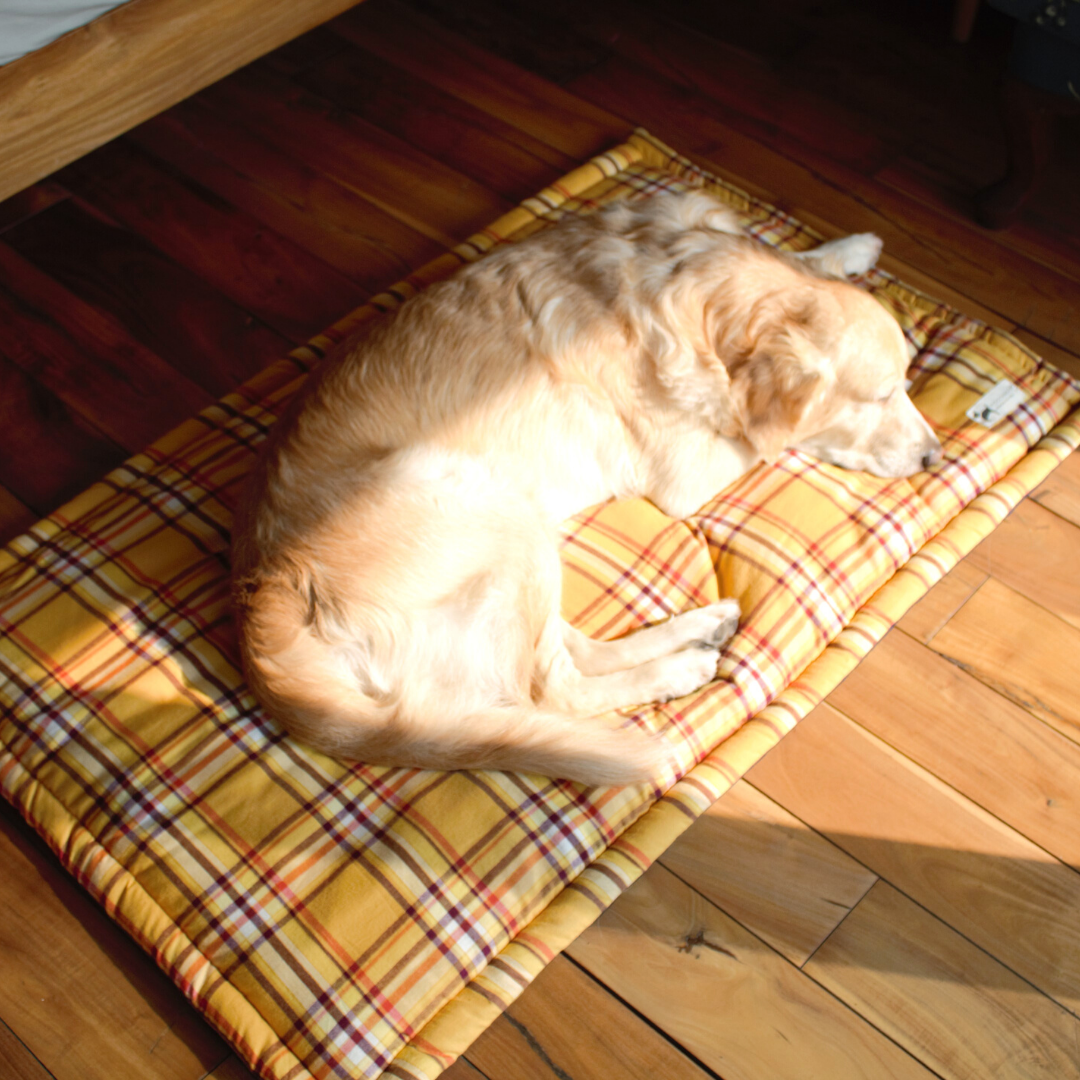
1021	650
945	1001
1053	579
971	870
764	867
96	82
16	1062
232	1068
567	1025
991	750
81	996
737	1006
942	602
1060	491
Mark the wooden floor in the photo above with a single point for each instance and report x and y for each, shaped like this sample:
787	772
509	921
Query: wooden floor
894	891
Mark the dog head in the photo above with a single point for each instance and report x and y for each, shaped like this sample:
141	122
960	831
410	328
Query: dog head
820	368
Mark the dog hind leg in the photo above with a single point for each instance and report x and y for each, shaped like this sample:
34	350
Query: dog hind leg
713	625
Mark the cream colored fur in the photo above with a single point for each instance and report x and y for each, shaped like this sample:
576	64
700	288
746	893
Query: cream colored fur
396	569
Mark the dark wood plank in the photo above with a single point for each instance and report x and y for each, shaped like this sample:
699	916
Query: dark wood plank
269	276
498	155
422	46
323	216
423	193
167	308
48	453
15	516
133	397
31	201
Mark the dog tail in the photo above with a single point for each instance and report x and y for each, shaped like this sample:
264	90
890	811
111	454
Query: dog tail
332	700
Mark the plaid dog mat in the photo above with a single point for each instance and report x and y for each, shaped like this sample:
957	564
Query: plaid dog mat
356	921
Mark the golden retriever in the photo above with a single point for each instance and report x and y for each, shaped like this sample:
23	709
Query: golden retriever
396	565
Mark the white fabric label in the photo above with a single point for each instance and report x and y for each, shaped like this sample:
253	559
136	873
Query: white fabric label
996	403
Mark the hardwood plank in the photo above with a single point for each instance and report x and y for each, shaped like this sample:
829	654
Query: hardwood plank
568	1025
1052	580
782	881
972	871
170	310
506	160
133	397
1060	491
423	193
266	274
15	517
16	1062
30	201
306	51
755	96
1021	650
112	1012
419	45
103	78
925	618
944	195
48	453
738	1007
946	1002
333	223
1010	763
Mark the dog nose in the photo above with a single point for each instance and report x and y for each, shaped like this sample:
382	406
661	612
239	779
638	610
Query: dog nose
931	457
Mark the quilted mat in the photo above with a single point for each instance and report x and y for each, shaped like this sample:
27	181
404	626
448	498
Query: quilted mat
360	922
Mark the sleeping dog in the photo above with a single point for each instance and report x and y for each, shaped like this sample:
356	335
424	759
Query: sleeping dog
396	566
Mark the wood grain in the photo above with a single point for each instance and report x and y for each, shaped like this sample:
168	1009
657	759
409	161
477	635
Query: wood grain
1021	650
968	868
419	191
171	311
502	157
30	201
764	867
945	1001
112	1013
419	45
103	78
737	1006
1052	580
134	397
266	274
569	1025
1012	764
48	452
328	219
16	1062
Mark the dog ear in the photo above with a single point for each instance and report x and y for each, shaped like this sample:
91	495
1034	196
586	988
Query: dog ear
779	375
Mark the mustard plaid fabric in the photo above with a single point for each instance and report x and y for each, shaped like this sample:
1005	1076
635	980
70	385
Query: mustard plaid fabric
361	922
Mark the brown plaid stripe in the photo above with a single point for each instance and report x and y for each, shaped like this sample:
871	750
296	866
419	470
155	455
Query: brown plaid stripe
360	921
